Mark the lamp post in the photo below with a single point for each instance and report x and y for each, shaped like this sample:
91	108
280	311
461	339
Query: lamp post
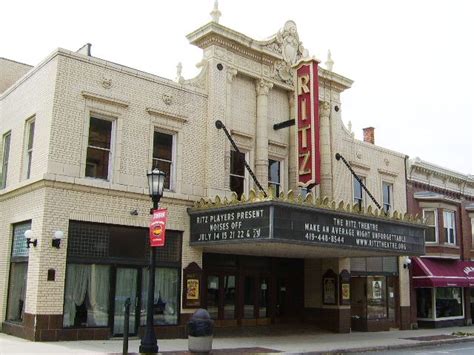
149	344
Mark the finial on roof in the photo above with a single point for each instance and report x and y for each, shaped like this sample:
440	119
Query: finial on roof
215	13
179	71
329	62
349	127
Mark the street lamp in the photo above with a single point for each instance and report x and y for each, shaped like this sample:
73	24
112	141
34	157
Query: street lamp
149	344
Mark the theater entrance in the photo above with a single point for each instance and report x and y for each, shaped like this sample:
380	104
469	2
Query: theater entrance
245	291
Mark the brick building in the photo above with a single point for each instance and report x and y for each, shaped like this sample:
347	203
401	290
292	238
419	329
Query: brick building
78	135
441	279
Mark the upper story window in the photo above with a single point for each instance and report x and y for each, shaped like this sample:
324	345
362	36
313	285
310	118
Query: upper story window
30	134
164	156
237	172
449	227
359	191
5	155
274	175
99	150
387	192
430	217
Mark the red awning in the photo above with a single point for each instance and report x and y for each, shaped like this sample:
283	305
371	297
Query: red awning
442	273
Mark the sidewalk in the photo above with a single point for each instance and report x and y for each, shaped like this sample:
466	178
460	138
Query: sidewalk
313	341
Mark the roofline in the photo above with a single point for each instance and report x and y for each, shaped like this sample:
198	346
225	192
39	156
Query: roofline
103	63
420	164
17	62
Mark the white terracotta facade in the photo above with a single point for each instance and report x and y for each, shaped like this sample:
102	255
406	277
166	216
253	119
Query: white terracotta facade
243	82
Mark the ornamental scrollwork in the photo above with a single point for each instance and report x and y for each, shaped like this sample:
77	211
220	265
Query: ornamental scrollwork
287	44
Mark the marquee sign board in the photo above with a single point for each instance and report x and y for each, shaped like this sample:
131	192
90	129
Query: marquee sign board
307	122
276	221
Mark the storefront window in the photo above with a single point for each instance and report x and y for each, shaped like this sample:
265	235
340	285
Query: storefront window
424	303
376	297
17	291
166	296
472	301
449	302
86	297
18	273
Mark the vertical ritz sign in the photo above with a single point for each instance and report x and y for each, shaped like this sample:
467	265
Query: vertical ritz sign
307	120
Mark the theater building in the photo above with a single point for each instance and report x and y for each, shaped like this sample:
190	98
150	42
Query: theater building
442	279
78	134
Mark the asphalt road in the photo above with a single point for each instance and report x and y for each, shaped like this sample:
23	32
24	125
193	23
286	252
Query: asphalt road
451	349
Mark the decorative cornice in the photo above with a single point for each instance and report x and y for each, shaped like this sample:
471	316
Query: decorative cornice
427	168
333	81
457	195
434	196
105	99
254	54
277	144
308	201
172	116
388	172
359	165
241	134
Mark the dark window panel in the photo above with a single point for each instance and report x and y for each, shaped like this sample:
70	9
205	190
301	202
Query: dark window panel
97	164
100	132
237	166
163	146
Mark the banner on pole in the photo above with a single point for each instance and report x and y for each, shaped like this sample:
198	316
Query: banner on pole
158	227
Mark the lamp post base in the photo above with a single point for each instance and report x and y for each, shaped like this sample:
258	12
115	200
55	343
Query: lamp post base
148	348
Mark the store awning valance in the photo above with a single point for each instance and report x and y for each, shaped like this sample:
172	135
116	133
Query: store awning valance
442	273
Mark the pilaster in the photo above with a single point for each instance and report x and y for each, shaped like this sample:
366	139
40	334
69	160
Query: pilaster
215	176
261	148
292	169
325	147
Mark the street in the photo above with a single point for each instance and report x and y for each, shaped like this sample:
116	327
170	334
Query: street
459	348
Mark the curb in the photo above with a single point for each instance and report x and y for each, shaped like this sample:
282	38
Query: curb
418	344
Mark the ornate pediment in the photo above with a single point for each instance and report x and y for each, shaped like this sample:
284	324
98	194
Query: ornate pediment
287	44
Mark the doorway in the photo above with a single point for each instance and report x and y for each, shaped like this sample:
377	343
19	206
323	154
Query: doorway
247	291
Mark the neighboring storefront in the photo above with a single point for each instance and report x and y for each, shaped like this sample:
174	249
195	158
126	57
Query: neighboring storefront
442	280
440	287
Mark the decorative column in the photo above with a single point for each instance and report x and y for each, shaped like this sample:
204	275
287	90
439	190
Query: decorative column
325	147
261	148
292	157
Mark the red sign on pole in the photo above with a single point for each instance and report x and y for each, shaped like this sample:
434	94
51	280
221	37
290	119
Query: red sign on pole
307	121
158	228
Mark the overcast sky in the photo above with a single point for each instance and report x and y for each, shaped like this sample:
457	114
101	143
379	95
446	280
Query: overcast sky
412	60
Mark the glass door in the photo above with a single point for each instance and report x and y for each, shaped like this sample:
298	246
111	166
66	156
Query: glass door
213	296
125	287
249	297
221	296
